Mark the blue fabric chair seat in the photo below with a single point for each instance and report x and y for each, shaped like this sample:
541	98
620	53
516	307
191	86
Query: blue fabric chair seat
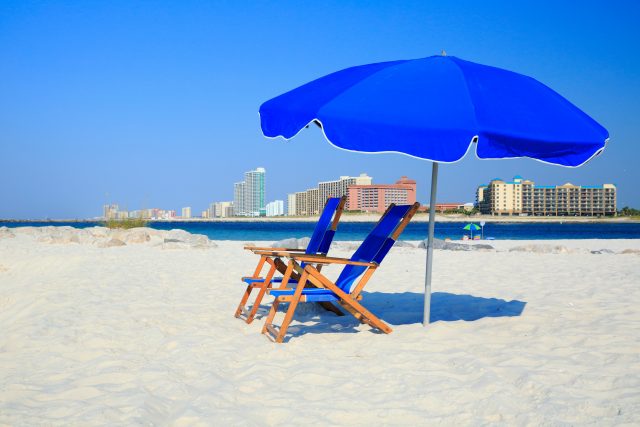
312	294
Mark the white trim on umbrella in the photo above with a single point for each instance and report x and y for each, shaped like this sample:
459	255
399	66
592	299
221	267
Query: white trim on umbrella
474	140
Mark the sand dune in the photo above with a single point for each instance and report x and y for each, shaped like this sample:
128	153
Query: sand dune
137	334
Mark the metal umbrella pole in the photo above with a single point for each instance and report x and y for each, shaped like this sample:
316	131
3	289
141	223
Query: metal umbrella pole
432	223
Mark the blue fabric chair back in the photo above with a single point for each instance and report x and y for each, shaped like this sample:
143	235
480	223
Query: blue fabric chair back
374	247
323	234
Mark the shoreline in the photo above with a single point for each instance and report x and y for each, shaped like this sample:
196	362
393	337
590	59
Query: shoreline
420	217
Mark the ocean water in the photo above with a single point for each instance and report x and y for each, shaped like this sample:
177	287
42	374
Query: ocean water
263	230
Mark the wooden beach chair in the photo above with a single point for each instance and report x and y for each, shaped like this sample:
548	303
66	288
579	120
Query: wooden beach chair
318	245
364	262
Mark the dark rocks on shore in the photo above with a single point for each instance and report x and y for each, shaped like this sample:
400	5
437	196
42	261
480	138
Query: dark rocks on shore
452	246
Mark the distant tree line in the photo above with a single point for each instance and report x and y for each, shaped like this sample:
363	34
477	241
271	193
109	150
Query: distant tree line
627	211
460	211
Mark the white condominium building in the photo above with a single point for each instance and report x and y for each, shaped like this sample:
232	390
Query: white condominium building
249	195
254	202
275	208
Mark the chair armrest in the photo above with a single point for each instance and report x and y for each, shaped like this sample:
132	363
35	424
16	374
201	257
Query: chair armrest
277	252
319	259
265	248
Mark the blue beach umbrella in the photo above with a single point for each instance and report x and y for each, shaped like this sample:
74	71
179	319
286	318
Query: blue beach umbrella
436	108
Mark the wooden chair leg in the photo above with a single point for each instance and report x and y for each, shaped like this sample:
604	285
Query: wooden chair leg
263	290
292	307
276	303
272	313
243	301
247	293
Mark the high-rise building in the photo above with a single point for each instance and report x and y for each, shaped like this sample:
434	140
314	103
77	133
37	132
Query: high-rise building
312	201
110	211
378	197
275	208
255	192
249	195
301	203
340	187
522	197
238	199
186	212
221	210
291	204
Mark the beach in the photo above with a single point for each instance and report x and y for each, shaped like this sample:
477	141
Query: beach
138	328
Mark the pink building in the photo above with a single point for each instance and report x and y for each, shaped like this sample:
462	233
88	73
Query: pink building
377	197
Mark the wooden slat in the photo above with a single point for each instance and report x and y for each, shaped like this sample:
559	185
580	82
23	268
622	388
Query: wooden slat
330	260
263	286
271	315
336	218
272	331
256	272
361	284
292	307
400	228
268	248
276	253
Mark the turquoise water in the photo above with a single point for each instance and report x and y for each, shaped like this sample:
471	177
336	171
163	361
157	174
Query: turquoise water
263	230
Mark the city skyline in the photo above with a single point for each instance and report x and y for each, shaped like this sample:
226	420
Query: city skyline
154	107
365	196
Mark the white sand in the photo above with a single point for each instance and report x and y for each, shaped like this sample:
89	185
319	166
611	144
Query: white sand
138	334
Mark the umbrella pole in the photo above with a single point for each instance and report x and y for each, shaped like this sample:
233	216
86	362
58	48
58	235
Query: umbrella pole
432	222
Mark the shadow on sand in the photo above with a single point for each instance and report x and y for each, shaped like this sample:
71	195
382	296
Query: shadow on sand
406	308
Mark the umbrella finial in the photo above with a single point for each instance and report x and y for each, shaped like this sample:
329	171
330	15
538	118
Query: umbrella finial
443	53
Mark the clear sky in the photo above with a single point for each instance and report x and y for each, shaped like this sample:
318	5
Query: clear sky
155	104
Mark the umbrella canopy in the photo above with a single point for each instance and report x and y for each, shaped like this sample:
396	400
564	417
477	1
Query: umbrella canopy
471	227
435	108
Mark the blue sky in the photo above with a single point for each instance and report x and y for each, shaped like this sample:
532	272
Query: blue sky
154	104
